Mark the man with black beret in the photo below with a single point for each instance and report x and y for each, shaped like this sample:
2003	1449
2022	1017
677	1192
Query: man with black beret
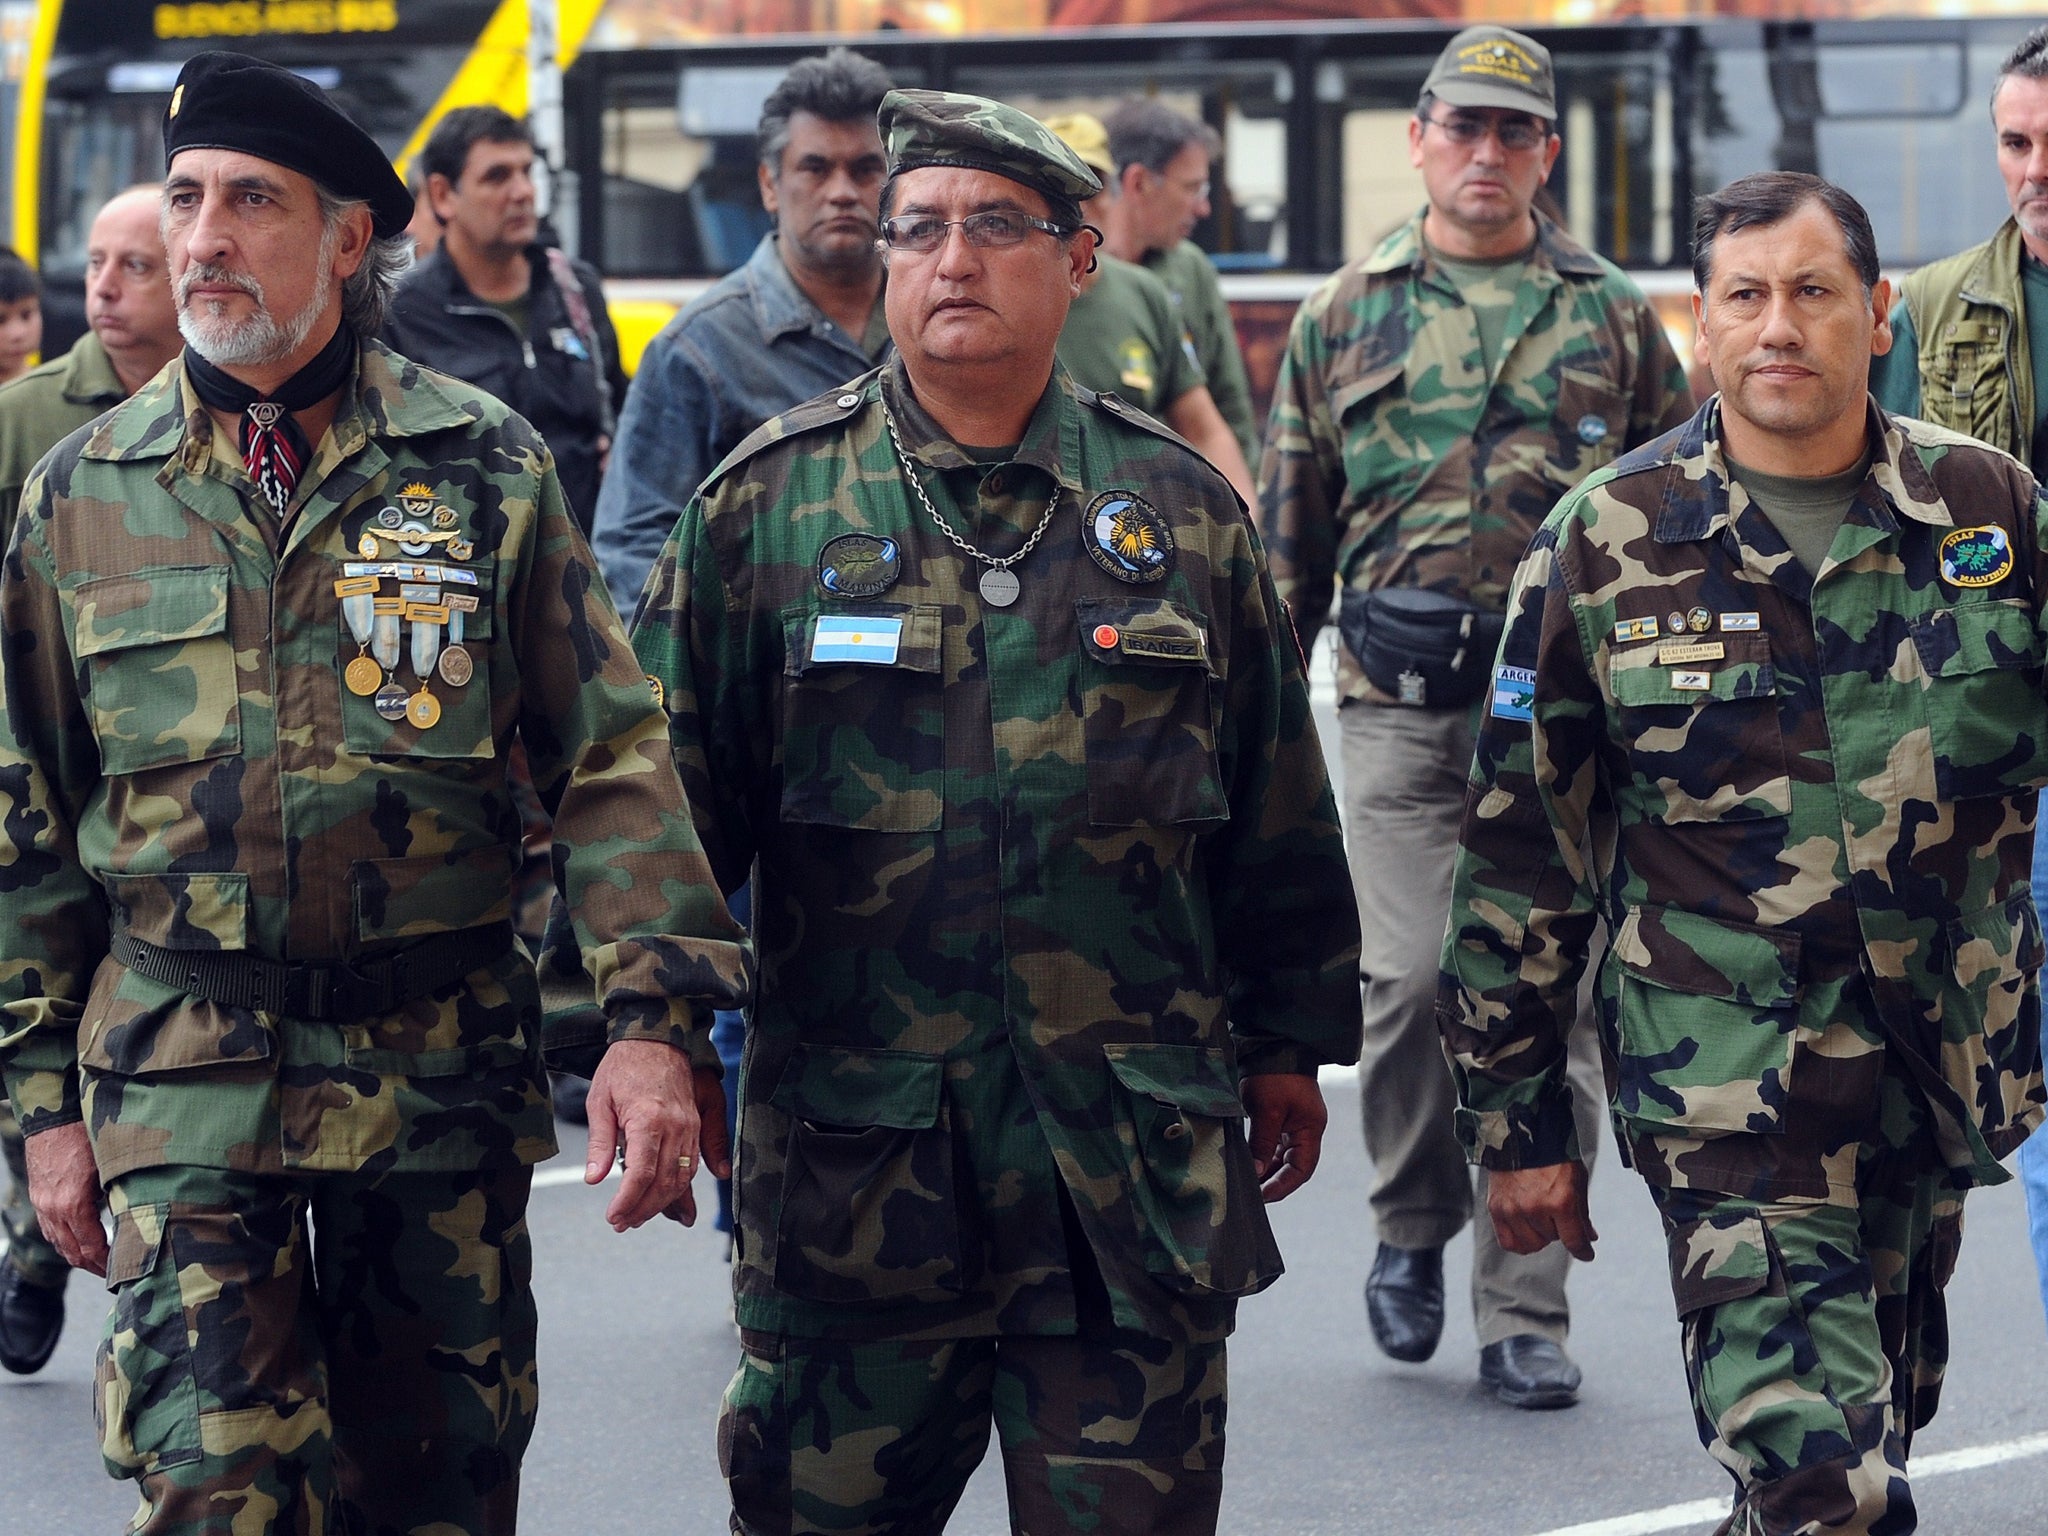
267	630
982	676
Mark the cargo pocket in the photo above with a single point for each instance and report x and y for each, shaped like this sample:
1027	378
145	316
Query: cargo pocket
1705	1017
1990	1014
160	666
864	732
868	1210
1201	1222
1703	736
1986	720
146	1395
134	1024
1148	711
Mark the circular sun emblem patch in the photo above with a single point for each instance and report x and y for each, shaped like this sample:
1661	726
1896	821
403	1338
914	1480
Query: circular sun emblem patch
1975	557
1127	538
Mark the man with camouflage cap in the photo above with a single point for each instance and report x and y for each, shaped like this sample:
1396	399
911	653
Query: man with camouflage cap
983	677
266	632
1780	672
1434	401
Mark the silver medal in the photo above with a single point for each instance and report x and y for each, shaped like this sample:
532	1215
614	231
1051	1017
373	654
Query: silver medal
998	587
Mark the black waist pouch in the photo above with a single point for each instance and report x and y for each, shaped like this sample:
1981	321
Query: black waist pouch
1423	648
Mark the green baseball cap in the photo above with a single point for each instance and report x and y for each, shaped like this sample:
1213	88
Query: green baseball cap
921	128
1495	67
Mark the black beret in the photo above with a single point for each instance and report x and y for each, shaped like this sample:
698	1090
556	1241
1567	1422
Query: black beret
231	101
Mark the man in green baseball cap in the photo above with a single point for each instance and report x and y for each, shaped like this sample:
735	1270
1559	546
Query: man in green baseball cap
1050	870
1495	67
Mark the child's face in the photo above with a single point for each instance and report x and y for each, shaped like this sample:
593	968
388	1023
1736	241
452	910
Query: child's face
21	333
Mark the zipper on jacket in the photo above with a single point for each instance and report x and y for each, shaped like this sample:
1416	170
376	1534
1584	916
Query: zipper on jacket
525	345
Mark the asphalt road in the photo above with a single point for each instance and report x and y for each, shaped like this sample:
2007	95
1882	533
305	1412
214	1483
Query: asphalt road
1325	1435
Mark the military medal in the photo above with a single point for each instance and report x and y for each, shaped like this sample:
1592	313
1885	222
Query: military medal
363	677
413	530
1675	622
1698	620
391	701
457	665
423	709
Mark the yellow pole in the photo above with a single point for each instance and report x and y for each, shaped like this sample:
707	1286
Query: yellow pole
28	134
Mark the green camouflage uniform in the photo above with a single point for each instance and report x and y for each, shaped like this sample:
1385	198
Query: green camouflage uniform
1397	458
1809	806
1036	888
182	762
37	411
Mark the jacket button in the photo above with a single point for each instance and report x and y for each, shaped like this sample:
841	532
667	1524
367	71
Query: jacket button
1177	1130
848	402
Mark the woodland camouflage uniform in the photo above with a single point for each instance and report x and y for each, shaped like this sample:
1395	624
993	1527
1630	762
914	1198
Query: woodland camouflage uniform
182	764
1809	804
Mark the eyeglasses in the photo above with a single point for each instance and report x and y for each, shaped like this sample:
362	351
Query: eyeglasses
1513	132
999	227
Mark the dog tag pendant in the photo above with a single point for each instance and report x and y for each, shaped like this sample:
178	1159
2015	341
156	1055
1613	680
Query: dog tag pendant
998	587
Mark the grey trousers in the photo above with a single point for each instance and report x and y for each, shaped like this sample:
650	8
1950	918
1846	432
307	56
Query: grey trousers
1404	792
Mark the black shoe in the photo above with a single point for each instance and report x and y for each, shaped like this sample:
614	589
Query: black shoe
1404	1301
1530	1371
569	1094
31	1318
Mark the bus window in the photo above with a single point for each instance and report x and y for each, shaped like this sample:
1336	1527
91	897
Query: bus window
1244	102
1903	124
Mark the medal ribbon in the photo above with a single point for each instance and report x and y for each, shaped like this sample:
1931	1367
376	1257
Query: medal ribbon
274	446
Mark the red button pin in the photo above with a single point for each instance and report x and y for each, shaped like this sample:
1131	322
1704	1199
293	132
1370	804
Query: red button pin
1106	636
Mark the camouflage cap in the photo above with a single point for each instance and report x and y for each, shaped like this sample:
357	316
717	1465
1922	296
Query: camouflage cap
1494	67
1088	139
922	128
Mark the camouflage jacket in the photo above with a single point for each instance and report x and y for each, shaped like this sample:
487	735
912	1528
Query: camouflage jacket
1036	885
1808	806
1393	460
181	758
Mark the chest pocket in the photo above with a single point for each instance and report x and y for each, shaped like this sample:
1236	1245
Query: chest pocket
863	720
1986	720
1589	426
161	667
1965	388
1372	416
461	724
1148	714
1703	738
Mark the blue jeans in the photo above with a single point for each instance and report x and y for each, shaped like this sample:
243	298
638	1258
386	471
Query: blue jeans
2034	1155
728	1032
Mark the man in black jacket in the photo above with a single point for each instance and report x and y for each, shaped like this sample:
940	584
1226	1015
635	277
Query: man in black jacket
498	309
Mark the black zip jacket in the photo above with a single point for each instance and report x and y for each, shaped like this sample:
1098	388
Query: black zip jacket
545	375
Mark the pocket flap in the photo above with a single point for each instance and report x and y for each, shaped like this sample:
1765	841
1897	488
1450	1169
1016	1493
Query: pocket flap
1977	637
1709	957
137	1241
1345	396
431	893
1743	670
1717	1259
840	1085
1187	1077
904	637
199	911
1149	631
150	608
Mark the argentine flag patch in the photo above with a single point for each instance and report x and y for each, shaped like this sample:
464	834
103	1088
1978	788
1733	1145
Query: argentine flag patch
845	637
1514	693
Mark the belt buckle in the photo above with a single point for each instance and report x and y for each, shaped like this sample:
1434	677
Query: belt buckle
340	994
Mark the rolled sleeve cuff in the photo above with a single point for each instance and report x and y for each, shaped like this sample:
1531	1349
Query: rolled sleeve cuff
1533	1135
44	1097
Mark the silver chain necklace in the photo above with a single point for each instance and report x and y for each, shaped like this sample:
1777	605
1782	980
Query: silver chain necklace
998	586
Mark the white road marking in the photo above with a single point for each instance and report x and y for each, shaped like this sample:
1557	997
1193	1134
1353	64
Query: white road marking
1677	1517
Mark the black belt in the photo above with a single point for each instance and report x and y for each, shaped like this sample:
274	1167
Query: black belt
323	991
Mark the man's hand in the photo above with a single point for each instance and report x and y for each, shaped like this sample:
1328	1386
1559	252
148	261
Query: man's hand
1535	1207
64	1187
648	1102
1288	1118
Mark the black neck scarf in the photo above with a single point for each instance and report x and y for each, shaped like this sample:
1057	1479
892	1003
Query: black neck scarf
274	446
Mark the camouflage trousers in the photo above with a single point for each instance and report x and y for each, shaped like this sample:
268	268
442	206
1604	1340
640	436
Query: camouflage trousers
319	1355
1816	1335
30	1251
1114	1435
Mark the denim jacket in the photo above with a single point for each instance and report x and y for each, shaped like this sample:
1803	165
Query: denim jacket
747	349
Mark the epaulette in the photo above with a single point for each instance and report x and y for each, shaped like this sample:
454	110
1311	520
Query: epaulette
824	410
1129	414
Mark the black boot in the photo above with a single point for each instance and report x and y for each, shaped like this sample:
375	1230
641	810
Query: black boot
31	1318
1404	1301
1530	1371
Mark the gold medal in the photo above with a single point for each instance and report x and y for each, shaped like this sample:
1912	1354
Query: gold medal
456	666
423	709
366	546
363	676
